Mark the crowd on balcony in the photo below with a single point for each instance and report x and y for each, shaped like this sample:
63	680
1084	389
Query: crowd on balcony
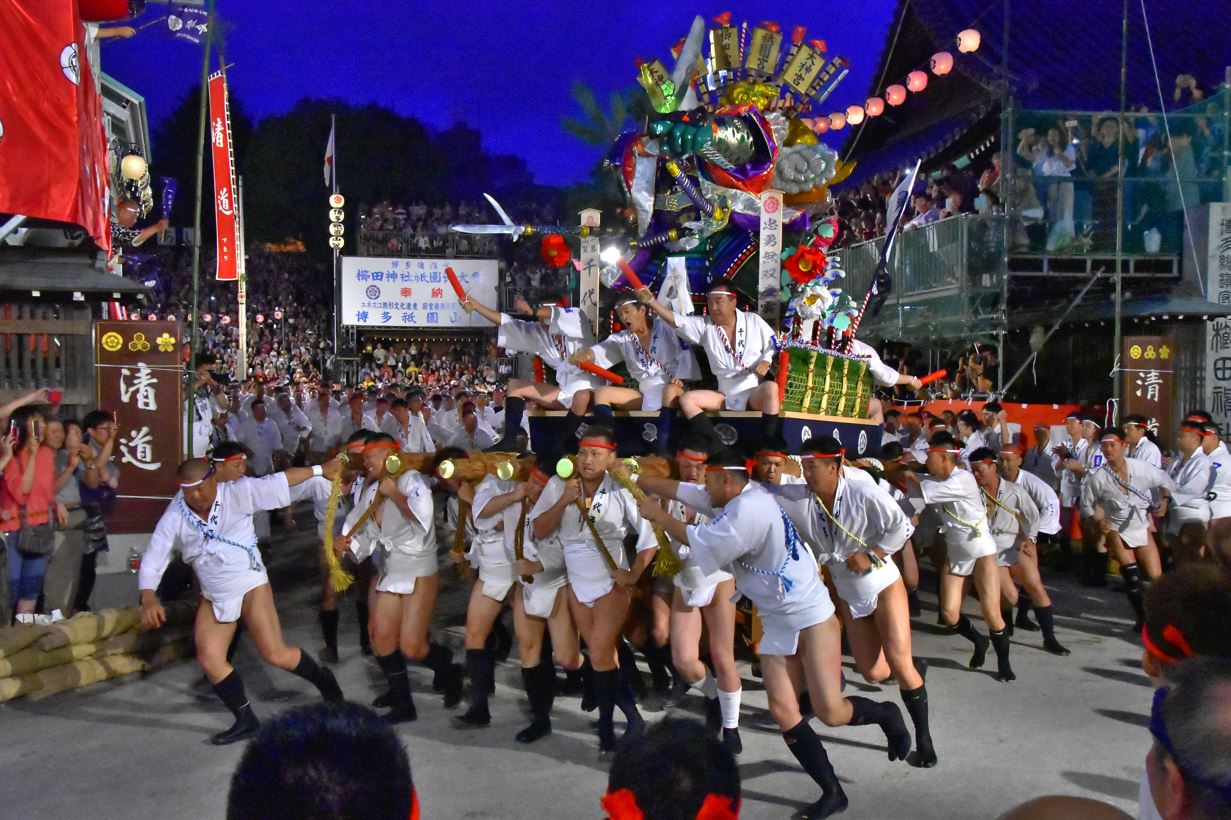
418	229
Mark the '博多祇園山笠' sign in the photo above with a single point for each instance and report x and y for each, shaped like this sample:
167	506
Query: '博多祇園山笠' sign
139	371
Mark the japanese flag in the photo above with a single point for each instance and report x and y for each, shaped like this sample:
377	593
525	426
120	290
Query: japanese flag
329	159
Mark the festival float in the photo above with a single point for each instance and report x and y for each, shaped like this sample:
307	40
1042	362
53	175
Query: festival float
728	181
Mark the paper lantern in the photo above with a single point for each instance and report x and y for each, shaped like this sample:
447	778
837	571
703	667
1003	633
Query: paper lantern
942	63
875	106
916	81
820	125
209	317
171	318
260	318
968	41
133	166
153	317
854	114
837	121
895	94
277	314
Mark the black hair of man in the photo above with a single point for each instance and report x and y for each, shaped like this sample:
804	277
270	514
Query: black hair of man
358	436
721	286
381	438
228	449
600	431
396	403
770	444
1115	431
992	407
982	454
696	442
1191	605
968	418
324	760
892	414
727	458
942	439
95	418
193	469
673	767
1197	719
890	451
1203	415
822	445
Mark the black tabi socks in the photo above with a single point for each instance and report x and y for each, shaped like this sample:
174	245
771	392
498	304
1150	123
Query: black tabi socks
589	696
807	748
481	669
514	409
967	630
1048	625
329	629
572	421
604	415
662	671
539	684
605	686
629	674
888	717
322	679
662	440
771	423
701	425
916	701
230	691
1131	573
393	666
361	612
446	675
1024	605
1000	641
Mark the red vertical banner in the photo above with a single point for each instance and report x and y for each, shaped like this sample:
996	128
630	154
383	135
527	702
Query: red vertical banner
224	177
141	379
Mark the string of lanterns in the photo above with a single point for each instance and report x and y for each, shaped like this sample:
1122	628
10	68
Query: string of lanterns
941	63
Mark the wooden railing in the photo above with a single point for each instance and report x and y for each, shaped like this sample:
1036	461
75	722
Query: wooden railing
45	345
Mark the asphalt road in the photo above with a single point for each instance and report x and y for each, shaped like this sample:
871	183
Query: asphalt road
138	747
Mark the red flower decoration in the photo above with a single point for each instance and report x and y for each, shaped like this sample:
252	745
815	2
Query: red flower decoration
555	250
805	264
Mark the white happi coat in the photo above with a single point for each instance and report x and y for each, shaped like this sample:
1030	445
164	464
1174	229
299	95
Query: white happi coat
1044	498
567	333
653	368
222	548
958	504
539	595
731	361
614	513
882	374
1147	451
1012	518
1220	507
1126	504
415	438
1193	477
752	538
867	517
695	586
1070	482
407	545
491	549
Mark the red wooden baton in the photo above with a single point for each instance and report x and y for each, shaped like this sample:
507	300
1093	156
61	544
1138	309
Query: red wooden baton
601	372
933	377
630	274
457	285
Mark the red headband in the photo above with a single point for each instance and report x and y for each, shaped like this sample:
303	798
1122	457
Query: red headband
595	442
771	454
694	459
236	457
1173	636
538	475
983	461
739	468
1111	437
376	445
952	451
622	805
1193	428
814	456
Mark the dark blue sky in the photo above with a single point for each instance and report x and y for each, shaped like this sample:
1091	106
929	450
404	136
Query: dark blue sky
505	68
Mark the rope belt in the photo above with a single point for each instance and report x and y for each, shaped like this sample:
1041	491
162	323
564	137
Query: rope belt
793	542
208	534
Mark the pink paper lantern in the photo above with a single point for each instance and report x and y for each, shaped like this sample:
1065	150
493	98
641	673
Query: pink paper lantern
277	314
916	81
170	318
153	317
968	41
895	94
226	320
854	114
820	125
837	121
260	318
942	63
875	106
209	317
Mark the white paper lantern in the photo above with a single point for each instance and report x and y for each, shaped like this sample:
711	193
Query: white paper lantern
968	41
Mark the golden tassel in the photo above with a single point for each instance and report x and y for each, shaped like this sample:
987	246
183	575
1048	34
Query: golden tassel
666	563
339	578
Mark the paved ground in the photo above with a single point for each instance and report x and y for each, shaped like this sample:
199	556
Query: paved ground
139	747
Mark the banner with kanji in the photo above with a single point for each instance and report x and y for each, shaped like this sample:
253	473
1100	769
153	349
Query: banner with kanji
139	372
224	178
1214	245
53	151
1149	382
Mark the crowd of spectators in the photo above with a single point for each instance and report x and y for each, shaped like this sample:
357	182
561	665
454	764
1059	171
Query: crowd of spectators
1065	171
417	229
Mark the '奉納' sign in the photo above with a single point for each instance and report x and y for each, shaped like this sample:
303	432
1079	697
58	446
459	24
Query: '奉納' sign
380	292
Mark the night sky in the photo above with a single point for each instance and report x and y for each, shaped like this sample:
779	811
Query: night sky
505	68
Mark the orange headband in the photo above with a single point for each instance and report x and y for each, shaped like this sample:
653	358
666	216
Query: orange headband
770	454
814	456
951	451
694	459
1111	437
622	805
1193	428
236	457
376	445
595	442
1173	636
